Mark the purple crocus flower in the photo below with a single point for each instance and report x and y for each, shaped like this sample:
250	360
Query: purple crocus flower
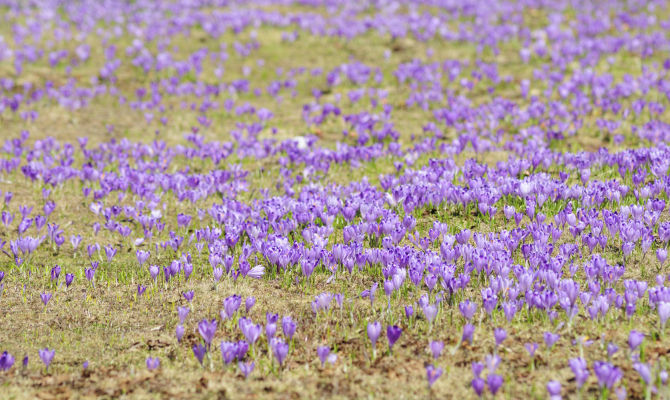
183	313
432	374
409	311
154	270
141	289
430	312
393	334
47	356
635	338
179	332
110	252
230	305
55	272
45	298
6	361
374	330
188	295
256	272
68	279
323	352
608	375
270	330
436	348
242	348
199	352
580	369
249	303
611	349
551	338
478	386
499	334
207	330
467	309
228	352
531	348
468	332
142	256
89	273
288	326
153	363
246	368
554	390
644	371
250	330
75	240
279	349
663	313
494	382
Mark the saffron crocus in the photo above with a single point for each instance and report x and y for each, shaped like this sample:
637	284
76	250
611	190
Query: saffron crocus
246	368
393	334
374	330
199	352
554	390
47	356
45	298
6	361
432	374
436	348
153	363
179	332
207	330
279	349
